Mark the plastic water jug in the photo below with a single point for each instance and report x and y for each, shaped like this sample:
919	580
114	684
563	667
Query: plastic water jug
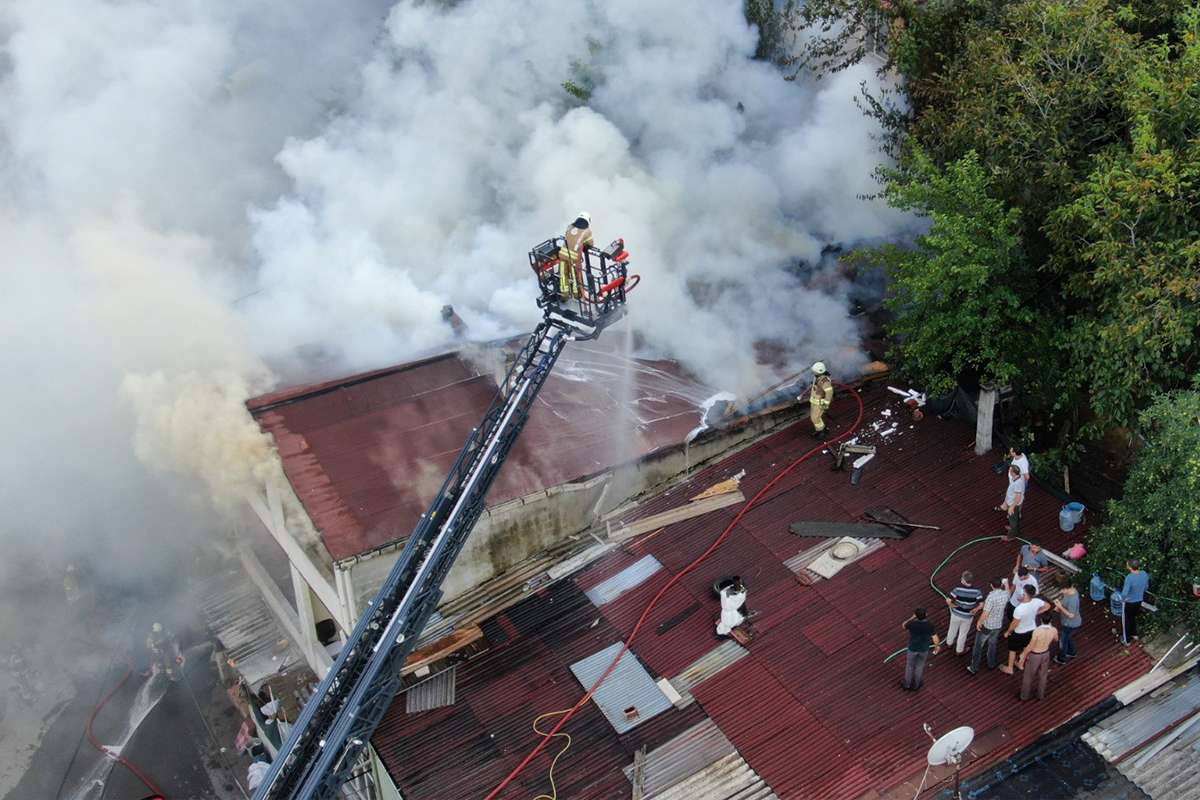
1096	588
1116	604
1066	519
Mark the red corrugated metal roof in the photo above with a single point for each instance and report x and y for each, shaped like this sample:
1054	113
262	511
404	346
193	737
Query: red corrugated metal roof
366	454
814	709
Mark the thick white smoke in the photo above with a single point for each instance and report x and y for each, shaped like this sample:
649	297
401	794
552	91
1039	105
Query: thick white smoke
462	149
199	196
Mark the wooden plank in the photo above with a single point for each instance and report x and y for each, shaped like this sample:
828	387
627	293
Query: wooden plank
724	487
836	530
686	511
441	648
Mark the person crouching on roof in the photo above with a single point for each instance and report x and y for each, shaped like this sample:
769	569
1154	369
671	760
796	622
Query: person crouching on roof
570	256
733	596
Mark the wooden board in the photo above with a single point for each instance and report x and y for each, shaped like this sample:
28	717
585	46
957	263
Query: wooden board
686	511
836	530
724	487
441	648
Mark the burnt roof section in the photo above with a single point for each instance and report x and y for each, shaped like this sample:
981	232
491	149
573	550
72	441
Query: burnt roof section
813	709
366	454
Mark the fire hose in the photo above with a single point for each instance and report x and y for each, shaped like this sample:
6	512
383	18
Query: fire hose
117	757
546	737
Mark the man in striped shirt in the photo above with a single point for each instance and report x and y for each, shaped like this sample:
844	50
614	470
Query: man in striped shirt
987	630
964	603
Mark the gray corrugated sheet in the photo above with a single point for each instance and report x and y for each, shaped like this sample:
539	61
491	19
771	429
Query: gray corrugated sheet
1132	725
679	757
799	563
433	692
728	778
238	616
726	653
629	685
636	573
1174	772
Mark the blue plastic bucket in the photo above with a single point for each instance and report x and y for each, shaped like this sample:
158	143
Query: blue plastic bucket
1076	510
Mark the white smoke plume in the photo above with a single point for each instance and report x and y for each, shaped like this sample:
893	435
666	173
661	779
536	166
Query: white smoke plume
201	198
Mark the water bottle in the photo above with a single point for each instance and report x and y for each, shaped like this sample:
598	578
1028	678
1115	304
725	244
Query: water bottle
1116	604
1096	587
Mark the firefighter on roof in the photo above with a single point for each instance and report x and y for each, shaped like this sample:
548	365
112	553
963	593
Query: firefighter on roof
819	398
570	256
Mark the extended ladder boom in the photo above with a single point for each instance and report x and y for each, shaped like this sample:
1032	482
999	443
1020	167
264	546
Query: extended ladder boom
336	724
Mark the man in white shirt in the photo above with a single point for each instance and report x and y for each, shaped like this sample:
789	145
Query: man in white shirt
1019	460
1021	578
1020	630
1013	498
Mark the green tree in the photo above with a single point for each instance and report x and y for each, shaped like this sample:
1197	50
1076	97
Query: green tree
1128	244
1158	519
959	294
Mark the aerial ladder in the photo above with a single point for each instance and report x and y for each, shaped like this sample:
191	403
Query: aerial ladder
323	748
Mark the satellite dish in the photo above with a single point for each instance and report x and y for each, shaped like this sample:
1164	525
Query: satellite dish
950	748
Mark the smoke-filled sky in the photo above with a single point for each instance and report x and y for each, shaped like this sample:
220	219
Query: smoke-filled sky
200	198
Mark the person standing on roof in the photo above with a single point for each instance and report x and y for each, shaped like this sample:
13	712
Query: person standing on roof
1133	592
922	639
1033	558
1020	630
577	239
991	621
1013	498
964	602
820	396
1036	659
1019	460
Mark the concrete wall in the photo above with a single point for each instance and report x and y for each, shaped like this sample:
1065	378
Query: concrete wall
516	530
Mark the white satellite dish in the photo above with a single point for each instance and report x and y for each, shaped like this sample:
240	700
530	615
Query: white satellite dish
948	749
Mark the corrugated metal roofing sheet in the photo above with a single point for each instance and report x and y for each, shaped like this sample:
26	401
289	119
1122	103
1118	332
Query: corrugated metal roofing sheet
700	762
811	708
366	453
1155	742
629	696
727	778
434	692
636	573
690	751
726	653
239	618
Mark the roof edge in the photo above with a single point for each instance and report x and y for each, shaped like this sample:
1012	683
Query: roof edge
291	394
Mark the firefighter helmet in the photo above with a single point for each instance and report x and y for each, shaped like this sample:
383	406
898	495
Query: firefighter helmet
819	368
582	220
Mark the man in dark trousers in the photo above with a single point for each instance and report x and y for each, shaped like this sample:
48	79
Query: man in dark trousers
922	638
1133	592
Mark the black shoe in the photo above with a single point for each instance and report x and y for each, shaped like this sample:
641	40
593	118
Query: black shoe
972	670
1058	660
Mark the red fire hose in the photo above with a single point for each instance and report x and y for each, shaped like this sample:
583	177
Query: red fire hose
675	579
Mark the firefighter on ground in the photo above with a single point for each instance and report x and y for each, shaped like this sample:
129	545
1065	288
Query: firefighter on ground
570	256
165	655
819	398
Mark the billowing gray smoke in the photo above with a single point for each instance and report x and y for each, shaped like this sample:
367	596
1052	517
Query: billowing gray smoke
199	196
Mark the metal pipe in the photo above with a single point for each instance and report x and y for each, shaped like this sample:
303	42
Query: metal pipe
1168	653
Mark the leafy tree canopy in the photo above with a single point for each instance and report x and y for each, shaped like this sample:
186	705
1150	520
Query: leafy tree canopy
1158	519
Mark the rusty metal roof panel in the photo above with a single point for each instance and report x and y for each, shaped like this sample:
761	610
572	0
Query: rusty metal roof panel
727	778
366	453
629	696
